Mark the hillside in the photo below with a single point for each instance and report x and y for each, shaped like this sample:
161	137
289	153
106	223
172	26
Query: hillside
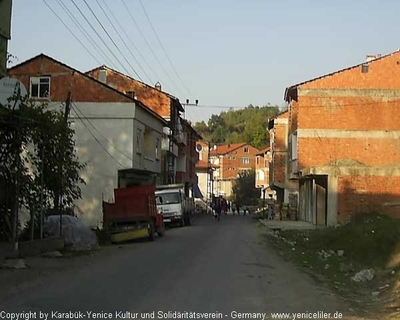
234	126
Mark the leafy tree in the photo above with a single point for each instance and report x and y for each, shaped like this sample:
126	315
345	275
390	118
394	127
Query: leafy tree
244	190
37	161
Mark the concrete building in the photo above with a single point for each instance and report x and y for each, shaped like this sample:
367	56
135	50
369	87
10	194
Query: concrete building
118	137
179	140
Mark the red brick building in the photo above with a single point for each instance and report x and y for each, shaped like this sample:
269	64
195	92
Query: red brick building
230	160
343	141
278	173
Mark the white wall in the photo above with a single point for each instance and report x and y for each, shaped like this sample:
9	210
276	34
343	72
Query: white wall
108	144
202	177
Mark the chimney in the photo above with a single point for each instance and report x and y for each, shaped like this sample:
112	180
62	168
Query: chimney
158	86
103	76
371	57
131	94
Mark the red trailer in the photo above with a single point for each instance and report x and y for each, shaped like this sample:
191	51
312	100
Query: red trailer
133	215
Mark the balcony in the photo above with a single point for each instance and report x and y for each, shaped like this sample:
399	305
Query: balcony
165	146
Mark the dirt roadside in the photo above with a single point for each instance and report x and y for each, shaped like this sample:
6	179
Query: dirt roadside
377	298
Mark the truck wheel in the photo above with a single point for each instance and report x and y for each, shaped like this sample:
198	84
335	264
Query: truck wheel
187	221
161	230
151	231
182	222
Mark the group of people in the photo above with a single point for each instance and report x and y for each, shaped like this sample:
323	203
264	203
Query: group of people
221	206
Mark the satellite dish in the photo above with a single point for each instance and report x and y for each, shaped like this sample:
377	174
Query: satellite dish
10	87
199	147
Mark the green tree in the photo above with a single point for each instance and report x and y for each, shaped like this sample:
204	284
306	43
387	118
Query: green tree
37	161
235	126
244	190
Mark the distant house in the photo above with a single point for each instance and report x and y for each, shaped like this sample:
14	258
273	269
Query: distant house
278	173
229	161
179	139
263	159
205	169
343	141
116	135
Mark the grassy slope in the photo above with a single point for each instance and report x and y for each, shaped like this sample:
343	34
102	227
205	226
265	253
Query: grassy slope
371	241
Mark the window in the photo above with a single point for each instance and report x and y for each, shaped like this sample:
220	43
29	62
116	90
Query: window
293	143
157	148
246	149
39	87
138	141
148	144
265	163
245	160
258	160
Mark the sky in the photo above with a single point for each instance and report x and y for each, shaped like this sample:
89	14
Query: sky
224	53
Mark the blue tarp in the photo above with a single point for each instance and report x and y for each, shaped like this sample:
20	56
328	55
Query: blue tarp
196	192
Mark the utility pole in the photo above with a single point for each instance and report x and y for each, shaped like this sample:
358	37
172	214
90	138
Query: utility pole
17	189
66	115
189	104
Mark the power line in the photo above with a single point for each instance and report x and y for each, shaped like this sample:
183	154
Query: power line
95	138
99	132
65	25
95	31
219	107
119	35
131	42
111	39
103	136
148	45
85	33
159	41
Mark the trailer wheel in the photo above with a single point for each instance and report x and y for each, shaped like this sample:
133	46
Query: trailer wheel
150	227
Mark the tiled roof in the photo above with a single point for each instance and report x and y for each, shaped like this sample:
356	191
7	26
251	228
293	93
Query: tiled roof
42	55
262	151
224	149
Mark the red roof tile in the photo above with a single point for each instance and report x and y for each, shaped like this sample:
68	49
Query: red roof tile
224	149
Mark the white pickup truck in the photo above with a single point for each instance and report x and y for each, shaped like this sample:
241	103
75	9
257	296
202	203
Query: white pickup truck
174	204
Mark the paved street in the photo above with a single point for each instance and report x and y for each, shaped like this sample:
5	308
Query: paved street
211	266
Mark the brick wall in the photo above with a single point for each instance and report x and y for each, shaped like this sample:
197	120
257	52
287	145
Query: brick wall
279	149
382	73
361	194
156	100
232	163
351	119
63	79
366	111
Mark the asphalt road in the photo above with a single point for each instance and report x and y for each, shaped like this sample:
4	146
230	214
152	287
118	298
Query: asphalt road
211	266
